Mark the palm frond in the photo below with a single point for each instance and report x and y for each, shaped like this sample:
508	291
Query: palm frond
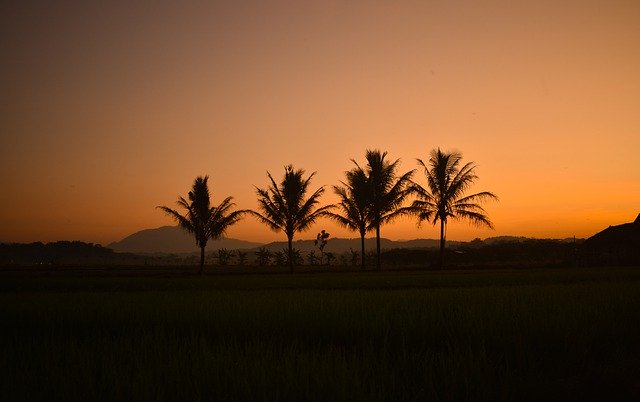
444	197
200	219
283	205
310	219
182	221
479	197
476	218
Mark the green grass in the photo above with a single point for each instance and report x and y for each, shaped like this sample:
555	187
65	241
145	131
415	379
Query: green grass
442	336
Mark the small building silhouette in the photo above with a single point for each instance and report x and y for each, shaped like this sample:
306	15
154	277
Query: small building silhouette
615	245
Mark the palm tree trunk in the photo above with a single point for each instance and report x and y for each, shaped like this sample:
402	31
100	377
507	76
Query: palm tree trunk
201	260
378	265
362	249
290	241
442	240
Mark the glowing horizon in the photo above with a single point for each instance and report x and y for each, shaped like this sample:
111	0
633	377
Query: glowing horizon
112	109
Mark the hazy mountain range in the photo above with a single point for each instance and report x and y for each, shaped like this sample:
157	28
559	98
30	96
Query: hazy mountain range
174	240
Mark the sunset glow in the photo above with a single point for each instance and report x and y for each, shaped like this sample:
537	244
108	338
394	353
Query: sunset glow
108	110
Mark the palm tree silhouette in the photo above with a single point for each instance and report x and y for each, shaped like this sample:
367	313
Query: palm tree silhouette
354	205
284	207
447	183
201	219
386	192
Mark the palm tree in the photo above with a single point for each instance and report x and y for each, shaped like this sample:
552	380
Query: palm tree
263	256
201	219
353	205
284	207
445	197
386	192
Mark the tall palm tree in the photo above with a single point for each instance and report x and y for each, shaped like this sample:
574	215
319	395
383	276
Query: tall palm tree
386	192
201	219
444	198
284	207
354	205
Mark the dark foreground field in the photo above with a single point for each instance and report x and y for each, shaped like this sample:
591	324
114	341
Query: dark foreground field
508	335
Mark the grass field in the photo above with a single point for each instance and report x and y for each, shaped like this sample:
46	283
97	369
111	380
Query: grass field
491	335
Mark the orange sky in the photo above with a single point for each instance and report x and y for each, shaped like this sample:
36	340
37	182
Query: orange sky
109	109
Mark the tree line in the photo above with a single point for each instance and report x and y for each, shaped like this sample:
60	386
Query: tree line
370	196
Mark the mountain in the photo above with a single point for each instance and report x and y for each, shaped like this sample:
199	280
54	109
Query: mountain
172	240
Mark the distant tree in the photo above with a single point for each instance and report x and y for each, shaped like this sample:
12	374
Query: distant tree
280	258
263	256
321	242
330	257
242	257
297	257
354	206
370	257
201	219
224	256
387	192
444	198
354	257
312	258
284	208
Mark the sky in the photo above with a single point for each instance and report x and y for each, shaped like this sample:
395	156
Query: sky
108	109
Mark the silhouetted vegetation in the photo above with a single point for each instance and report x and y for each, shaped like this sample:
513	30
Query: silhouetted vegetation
201	219
386	192
284	207
63	253
509	252
321	242
263	256
353	208
522	253
444	198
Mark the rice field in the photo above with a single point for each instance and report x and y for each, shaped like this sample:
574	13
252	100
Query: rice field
501	335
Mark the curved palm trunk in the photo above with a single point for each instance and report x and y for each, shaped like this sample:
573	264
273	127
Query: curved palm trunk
378	265
362	249
201	260
290	243
442	240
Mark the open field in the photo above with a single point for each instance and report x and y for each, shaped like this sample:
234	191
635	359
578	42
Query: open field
491	335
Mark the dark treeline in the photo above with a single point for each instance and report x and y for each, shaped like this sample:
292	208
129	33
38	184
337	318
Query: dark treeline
63	253
512	253
516	253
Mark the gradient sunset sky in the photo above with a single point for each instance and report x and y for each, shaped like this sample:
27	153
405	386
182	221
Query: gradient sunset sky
110	108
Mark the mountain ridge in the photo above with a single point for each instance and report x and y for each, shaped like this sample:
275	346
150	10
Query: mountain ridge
174	240
171	240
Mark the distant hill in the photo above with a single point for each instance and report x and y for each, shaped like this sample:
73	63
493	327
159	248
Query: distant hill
174	240
172	246
339	245
171	240
522	239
